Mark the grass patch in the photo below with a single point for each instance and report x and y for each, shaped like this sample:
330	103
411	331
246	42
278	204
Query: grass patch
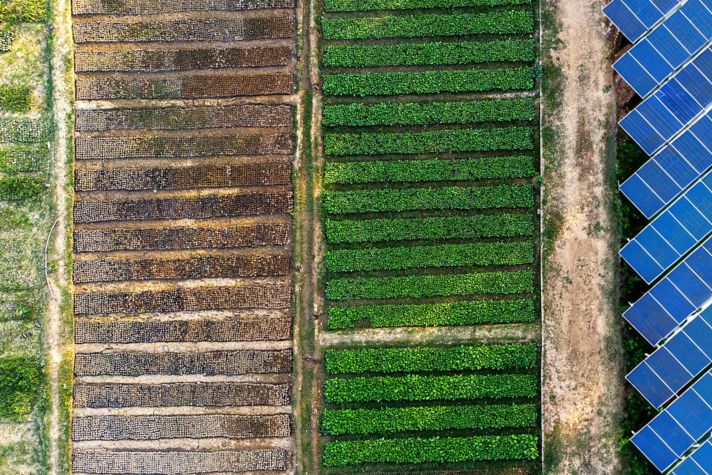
15	98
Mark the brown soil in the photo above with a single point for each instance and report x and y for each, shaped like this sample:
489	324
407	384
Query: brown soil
582	380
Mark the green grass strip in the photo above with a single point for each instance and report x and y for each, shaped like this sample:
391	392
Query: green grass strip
418	257
367	5
429	388
436	141
418	359
428	24
422	113
431	450
420	199
419	286
391	420
412	171
437	227
429	53
475	312
428	82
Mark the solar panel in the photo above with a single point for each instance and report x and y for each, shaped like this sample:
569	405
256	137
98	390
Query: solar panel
635	17
667	47
677	165
666	112
675	430
674	365
673	233
698	462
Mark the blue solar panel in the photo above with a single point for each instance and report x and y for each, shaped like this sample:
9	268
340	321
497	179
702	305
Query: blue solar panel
635	17
698	462
667	47
675	364
673	233
665	113
678	428
672	300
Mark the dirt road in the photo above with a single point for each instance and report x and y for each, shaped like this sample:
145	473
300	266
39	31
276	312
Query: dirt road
582	371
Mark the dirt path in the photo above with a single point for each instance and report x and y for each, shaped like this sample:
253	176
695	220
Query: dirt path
582	371
56	335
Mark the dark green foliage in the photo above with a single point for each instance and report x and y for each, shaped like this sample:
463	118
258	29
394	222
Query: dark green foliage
389	420
442	255
424	113
418	286
365	5
454	358
411	315
428	24
20	188
437	141
15	98
428	82
429	388
406	199
439	227
19	386
394	171
429	53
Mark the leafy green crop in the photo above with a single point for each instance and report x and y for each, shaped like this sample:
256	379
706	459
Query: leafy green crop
15	98
453	358
389	420
414	387
406	199
428	24
436	449
20	380
417	286
418	315
429	53
442	255
366	5
424	113
20	188
394	171
13	12
428	82
438	227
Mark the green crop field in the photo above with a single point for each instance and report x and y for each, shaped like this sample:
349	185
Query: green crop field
428	207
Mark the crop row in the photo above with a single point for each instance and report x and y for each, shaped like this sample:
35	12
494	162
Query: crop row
437	227
419	286
441	255
389	420
414	387
436	314
418	199
438	141
367	5
409	171
428	82
424	113
428	24
22	158
429	53
436	449
417	359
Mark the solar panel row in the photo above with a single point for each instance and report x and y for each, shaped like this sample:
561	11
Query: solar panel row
668	46
698	462
675	364
672	300
635	17
673	432
666	112
677	165
673	233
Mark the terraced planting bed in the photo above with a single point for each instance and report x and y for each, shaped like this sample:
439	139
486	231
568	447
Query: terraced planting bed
428	213
182	236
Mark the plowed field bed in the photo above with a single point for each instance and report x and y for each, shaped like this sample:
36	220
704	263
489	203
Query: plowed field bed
182	236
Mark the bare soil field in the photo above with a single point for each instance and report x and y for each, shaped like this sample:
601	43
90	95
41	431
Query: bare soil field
582	372
182	233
